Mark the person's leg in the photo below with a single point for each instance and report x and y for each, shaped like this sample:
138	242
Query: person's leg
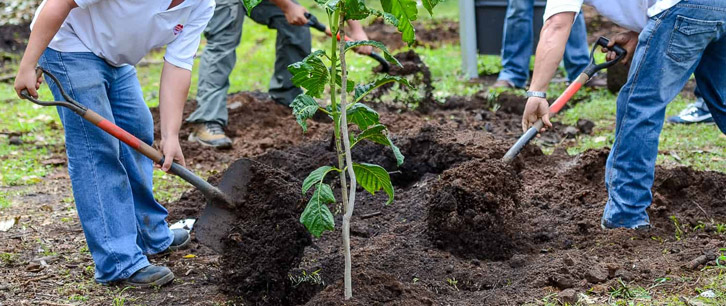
662	63
131	114
696	112
293	45
517	42
711	80
223	34
101	188
577	53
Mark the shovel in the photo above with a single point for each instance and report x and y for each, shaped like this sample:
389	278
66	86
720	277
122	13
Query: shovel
218	202
315	23
585	76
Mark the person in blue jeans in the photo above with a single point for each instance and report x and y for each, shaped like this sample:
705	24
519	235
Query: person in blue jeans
517	46
669	41
91	47
696	112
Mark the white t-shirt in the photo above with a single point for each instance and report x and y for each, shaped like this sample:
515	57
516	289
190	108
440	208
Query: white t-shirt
630	14
123	31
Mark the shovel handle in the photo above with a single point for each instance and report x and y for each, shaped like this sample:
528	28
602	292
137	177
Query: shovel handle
132	141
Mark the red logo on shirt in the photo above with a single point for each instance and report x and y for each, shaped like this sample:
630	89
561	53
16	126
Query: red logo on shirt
178	29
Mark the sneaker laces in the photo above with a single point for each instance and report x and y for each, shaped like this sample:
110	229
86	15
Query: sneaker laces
689	110
214	128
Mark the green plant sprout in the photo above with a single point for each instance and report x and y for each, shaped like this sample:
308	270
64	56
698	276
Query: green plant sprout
321	70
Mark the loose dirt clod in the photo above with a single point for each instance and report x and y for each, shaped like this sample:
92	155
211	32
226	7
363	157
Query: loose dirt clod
471	208
267	240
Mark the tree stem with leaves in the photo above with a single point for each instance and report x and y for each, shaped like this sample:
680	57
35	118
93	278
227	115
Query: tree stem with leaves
348	158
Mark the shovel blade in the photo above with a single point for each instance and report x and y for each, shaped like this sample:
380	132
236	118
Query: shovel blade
218	217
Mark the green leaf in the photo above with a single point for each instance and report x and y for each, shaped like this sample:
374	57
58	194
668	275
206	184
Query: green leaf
316	177
311	74
317	217
405	12
363	116
379	134
386	54
250	4
373	178
429	5
304	107
331	4
364	89
339	81
356	10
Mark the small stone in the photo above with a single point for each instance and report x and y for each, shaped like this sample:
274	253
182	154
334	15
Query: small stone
562	282
15	140
478	117
568	296
235	105
623	274
596	275
585	126
571	132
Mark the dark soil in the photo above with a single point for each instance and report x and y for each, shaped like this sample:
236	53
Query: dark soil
420	95
471	209
452	236
431	34
267	240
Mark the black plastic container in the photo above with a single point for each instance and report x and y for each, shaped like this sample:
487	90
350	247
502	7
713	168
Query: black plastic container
490	16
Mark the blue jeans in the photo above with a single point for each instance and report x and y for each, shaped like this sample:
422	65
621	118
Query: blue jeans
517	44
111	182
686	39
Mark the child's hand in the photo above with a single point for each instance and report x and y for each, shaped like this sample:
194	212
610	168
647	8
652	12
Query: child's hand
172	152
26	79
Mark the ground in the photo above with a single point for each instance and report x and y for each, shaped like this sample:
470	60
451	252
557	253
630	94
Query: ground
400	254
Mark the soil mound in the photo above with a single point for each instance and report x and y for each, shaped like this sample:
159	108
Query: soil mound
471	208
267	241
421	93
432	33
373	287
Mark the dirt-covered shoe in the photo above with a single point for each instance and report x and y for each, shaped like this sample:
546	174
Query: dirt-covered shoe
210	134
150	276
604	224
181	239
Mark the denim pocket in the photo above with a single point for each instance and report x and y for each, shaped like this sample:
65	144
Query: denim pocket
690	37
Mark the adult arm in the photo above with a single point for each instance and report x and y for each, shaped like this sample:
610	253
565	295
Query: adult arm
49	20
173	92
550	49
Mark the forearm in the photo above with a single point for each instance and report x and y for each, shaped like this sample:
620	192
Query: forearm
354	26
550	49
49	20
173	92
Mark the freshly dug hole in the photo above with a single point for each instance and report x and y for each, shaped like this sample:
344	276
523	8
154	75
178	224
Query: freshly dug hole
471	207
266	241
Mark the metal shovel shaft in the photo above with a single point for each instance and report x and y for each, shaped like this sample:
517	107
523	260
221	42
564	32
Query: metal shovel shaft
538	125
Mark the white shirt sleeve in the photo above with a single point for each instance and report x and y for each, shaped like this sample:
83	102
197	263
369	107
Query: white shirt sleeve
85	3
181	51
560	6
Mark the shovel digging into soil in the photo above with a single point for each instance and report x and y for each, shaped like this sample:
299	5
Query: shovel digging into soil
218	203
313	22
585	76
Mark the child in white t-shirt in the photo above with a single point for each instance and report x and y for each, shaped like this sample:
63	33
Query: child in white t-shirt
91	47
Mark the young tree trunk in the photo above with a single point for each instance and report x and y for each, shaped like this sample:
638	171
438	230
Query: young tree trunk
348	160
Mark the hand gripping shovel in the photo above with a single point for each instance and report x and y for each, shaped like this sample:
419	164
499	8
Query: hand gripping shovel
585	76
315	23
218	202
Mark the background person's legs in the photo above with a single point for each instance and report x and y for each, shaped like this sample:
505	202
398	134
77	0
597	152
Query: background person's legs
131	114
517	42
223	34
101	186
293	45
711	80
